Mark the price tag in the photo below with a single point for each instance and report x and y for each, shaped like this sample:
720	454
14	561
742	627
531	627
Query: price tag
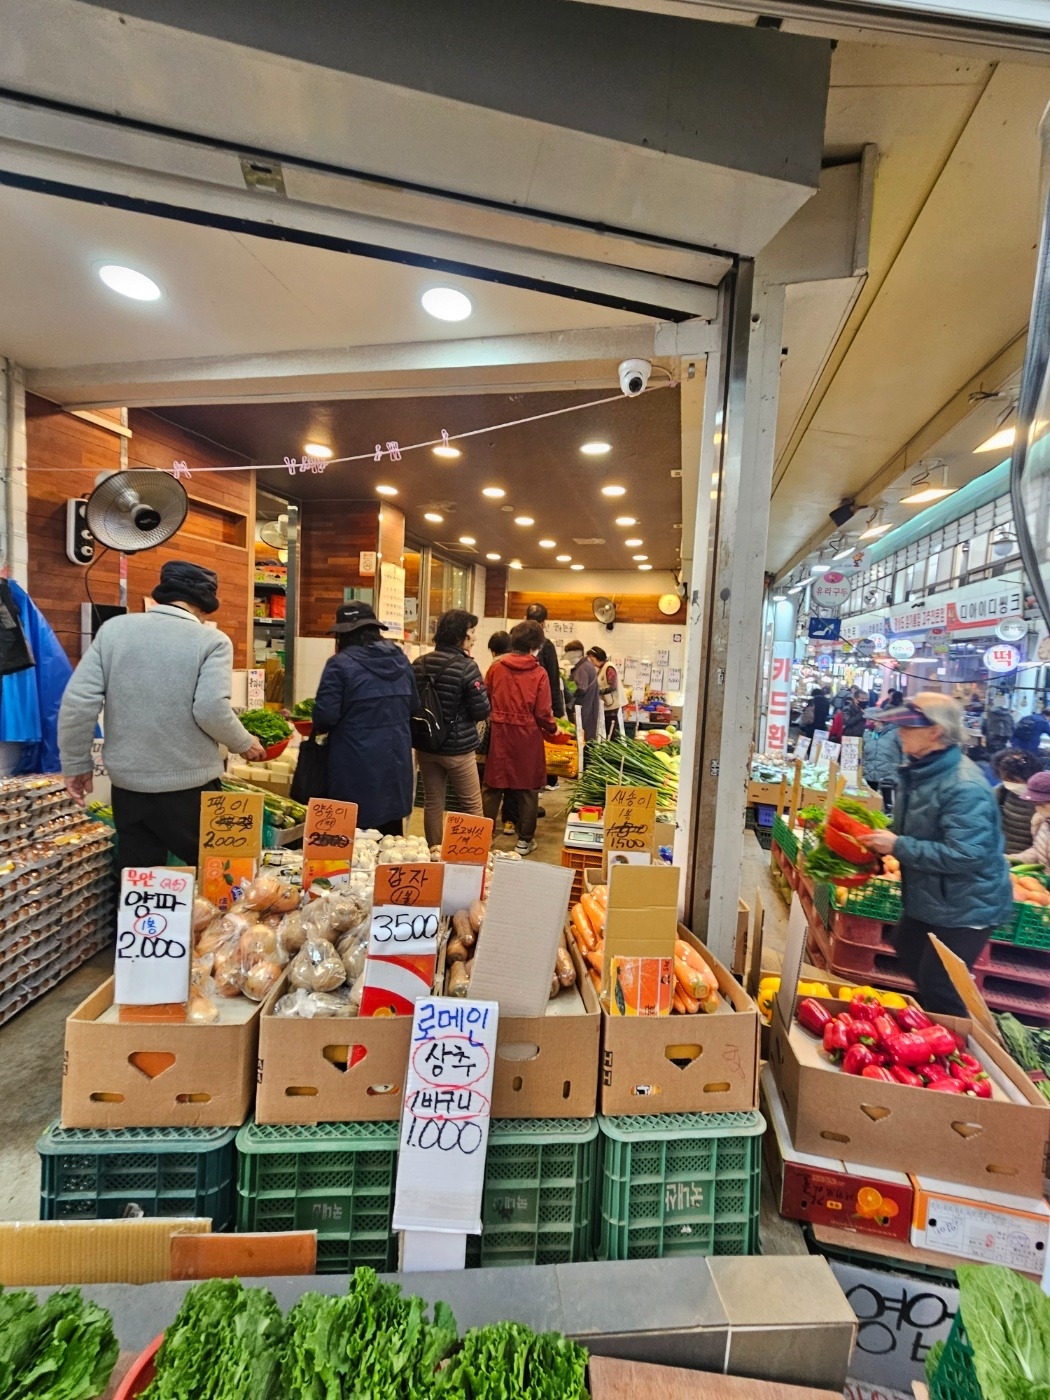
850	760
630	826
406	909
328	842
802	746
830	754
465	849
230	844
154	920
445	1124
256	691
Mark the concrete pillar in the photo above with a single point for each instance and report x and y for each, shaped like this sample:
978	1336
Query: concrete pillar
15	538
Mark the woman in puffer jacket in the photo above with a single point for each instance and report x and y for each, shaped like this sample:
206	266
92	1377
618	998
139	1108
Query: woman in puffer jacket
882	756
1037	794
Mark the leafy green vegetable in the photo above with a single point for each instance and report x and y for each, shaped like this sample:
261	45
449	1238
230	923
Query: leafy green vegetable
225	1343
63	1349
1029	1046
878	821
811	816
508	1361
933	1360
626	762
825	865
267	725
303	709
1007	1320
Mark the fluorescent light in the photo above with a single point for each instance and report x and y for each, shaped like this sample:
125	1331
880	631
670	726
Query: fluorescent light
446	304
467	539
873	530
819	568
596	449
576	568
927	494
632	544
614	490
548	544
524	520
386	490
644	568
317	449
639	558
516	564
626	520
494	493
563	558
494	557
129	283
433	517
447	451
780	598
843	553
797	588
1003	438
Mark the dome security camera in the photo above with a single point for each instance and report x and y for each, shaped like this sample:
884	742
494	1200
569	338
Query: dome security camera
634	376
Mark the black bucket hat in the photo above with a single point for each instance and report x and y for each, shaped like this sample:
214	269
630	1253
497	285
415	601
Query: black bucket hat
351	617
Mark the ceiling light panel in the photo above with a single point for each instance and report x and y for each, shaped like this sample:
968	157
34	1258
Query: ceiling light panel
446	303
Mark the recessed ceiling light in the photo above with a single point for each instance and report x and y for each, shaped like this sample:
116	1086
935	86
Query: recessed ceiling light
626	520
780	597
576	568
548	544
447	451
644	568
926	495
447	304
494	557
596	449
524	520
129	283
386	490
639	558
632	544
317	449
614	490
874	530
1003	438
433	517
494	493
467	539
516	564
563	558
819	568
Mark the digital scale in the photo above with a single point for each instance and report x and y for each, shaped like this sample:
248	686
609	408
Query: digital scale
585	832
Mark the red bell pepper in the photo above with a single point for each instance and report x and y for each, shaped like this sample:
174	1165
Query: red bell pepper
946	1086
939	1038
910	1018
865	1007
878	1072
902	1075
812	1016
908	1048
885	1028
934	1071
835	1039
861	1033
975	1082
859	1058
967	1062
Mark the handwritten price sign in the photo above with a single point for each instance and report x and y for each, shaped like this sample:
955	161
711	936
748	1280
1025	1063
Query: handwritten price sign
406	909
465	847
153	936
231	842
630	825
445	1125
328	841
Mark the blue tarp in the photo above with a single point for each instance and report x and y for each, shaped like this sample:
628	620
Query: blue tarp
29	700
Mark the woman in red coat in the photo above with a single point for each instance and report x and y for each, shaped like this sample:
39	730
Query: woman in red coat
520	694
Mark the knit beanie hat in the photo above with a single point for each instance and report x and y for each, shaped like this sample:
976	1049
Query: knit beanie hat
182	582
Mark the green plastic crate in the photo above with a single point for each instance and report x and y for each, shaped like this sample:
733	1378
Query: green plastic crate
1030	927
822	902
785	838
540	1184
879	899
680	1183
96	1174
339	1178
335	1178
955	1377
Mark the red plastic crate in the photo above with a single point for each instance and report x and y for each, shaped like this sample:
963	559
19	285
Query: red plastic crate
854	928
1033	1003
881	966
1029	965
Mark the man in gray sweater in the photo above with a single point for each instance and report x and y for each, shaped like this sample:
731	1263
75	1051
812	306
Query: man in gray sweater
164	681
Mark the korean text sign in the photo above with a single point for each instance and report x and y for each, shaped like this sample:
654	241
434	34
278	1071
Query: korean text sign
230	844
630	825
445	1124
153	936
328	841
778	715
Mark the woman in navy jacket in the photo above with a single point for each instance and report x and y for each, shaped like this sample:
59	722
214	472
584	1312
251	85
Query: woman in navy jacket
365	702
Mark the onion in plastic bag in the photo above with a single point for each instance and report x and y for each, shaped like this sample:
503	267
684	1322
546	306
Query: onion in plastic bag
317	967
261	979
312	1005
262	893
200	1011
294	929
203	913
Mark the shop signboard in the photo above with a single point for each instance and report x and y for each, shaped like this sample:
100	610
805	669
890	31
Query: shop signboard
901	649
778	715
1001	660
824	629
154	936
831	589
975	608
871	625
1012	630
824	663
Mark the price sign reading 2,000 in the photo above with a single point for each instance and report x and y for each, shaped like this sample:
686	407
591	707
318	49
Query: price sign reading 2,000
402	926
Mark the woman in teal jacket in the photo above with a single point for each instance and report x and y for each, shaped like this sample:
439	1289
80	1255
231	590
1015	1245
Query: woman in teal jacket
948	838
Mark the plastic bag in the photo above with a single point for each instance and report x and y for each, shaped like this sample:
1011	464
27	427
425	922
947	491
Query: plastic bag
203	913
317	967
261	979
228	968
210	938
294	929
311	1005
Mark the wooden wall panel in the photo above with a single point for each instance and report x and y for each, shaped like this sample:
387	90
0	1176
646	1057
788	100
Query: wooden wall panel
496	591
576	607
65	454
333	536
391	535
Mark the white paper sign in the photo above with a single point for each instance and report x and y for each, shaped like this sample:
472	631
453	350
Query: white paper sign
153	936
802	747
674	680
657	681
850	760
445	1124
820	736
391	606
402	932
828	752
663	658
256	695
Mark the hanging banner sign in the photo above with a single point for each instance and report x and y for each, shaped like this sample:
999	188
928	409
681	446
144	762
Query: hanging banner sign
1001	660
328	843
445	1124
831	589
901	649
230	843
778	714
154	936
825	629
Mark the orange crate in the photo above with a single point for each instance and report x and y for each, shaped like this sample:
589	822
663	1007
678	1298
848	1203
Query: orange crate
579	861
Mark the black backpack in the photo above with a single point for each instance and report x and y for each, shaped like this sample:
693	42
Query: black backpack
430	724
1025	732
999	725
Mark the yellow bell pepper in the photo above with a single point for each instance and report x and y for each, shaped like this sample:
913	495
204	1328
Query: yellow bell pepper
892	1000
814	989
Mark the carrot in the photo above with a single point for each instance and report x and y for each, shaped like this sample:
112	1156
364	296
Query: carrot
688	954
692	1006
601	894
582	929
711	1002
595	979
594	911
595	959
677	1004
695	983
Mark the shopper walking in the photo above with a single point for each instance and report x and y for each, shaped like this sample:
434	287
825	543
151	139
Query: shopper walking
548	659
365	701
499	645
1036	797
464	705
608	688
1014	768
854	720
815	714
882	757
583	687
521	715
997	726
949	841
164	681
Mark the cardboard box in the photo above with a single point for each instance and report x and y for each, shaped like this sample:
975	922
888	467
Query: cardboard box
63	1252
826	1190
209	1083
988	1227
977	1142
683	1064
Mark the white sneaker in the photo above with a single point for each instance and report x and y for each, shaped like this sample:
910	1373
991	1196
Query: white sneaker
525	848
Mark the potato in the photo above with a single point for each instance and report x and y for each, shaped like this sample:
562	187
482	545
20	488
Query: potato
564	969
456	950
476	915
463	929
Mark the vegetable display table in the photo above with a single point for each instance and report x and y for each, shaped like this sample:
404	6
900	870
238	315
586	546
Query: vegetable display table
635	1380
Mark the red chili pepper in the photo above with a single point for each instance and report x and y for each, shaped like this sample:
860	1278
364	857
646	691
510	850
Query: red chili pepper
910	1018
940	1039
878	1072
859	1058
835	1039
861	1033
946	1086
812	1016
885	1028
865	1007
907	1076
908	1048
967	1062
